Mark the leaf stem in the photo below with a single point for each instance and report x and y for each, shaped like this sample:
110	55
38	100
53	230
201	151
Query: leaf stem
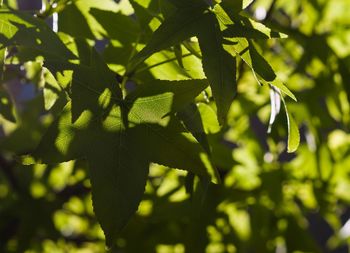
123	86
133	52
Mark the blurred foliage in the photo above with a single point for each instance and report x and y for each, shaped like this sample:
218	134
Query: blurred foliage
269	198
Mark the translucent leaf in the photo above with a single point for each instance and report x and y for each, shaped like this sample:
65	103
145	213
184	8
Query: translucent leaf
167	96
52	90
18	28
93	85
126	139
293	131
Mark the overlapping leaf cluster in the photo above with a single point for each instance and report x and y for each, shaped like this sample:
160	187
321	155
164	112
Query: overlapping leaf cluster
136	84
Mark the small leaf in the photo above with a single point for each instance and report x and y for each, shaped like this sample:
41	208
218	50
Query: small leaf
279	84
260	65
232	6
293	131
52	90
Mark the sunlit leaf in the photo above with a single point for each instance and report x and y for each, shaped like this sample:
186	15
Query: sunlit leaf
129	138
24	30
293	131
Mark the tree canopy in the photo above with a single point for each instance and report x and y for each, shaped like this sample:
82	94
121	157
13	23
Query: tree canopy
174	126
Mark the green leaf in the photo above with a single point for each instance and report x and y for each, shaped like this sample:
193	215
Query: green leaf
116	25
249	29
218	65
178	55
260	65
93	85
168	96
293	131
18	28
180	26
232	6
241	48
144	14
192	120
52	90
122	151
119	157
280	85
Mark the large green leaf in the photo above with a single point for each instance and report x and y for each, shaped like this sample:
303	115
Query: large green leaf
218	65
17	28
119	153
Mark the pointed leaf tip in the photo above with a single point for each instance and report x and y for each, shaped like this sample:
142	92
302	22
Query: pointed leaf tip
293	131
